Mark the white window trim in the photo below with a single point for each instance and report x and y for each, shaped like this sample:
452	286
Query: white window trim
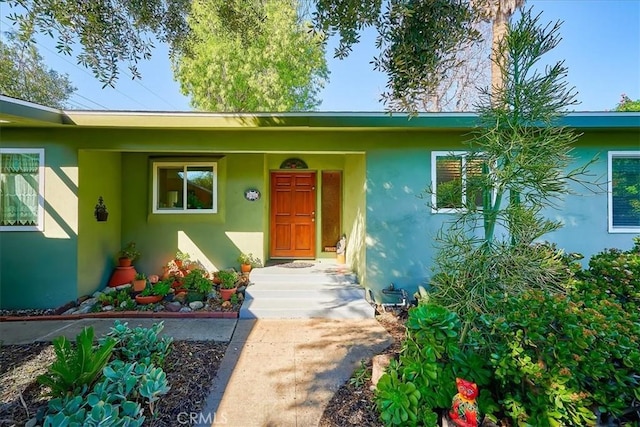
611	155
184	165
434	179
41	169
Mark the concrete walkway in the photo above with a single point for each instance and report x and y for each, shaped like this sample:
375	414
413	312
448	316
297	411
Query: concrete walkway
281	373
26	332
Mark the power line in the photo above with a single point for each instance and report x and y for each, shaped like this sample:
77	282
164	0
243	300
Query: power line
87	99
84	70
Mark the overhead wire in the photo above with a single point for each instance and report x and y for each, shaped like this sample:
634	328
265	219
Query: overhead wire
84	70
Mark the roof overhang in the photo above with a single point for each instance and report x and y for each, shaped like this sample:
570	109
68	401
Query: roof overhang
17	113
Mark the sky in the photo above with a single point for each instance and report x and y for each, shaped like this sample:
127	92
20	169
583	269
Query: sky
600	46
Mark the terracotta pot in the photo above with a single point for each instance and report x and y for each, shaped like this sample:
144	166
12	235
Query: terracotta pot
148	299
124	262
225	294
139	285
245	268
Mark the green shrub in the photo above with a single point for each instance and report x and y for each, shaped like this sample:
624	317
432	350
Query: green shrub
76	366
140	344
557	358
615	275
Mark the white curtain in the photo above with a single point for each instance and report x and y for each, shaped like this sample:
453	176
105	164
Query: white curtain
19	189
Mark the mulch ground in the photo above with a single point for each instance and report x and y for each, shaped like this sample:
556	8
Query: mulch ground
191	368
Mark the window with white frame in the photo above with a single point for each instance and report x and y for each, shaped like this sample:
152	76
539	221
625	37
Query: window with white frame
624	191
21	189
185	187
455	181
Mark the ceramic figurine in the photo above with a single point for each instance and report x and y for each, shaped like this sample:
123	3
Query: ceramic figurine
464	410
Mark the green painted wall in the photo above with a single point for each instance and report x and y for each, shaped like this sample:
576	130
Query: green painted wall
98	242
381	190
355	213
39	269
400	240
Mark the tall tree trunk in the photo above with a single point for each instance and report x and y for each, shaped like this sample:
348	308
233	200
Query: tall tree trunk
499	29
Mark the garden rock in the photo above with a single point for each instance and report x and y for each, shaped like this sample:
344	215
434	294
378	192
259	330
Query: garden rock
173	307
379	365
121	287
107	308
86	306
196	305
185	310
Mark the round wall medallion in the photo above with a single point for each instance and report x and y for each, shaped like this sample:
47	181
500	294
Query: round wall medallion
252	194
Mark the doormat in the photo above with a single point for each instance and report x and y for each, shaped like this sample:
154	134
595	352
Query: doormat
296	265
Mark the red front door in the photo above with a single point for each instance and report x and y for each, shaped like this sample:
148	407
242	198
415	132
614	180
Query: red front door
293	215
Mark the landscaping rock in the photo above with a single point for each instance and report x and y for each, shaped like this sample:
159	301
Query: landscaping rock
86	306
97	294
121	287
196	305
108	290
380	363
174	307
107	308
185	310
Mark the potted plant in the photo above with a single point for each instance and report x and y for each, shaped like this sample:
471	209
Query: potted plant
128	255
228	285
181	258
248	261
197	285
154	293
140	282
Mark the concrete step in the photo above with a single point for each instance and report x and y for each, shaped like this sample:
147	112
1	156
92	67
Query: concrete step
324	290
294	308
299	277
282	289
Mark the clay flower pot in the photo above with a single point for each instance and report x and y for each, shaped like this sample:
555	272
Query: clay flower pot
124	262
225	294
139	285
245	268
148	299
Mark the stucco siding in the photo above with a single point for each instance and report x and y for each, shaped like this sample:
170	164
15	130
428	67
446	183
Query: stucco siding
39	269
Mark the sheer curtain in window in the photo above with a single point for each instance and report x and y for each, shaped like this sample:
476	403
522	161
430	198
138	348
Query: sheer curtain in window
19	188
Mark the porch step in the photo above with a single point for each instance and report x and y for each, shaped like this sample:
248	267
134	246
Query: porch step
318	292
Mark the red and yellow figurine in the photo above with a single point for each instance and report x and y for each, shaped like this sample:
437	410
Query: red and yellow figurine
464	409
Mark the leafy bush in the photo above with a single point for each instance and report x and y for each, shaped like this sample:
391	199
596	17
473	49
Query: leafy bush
142	345
614	275
76	366
556	358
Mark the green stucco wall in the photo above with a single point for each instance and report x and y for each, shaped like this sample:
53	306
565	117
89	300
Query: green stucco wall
355	213
98	242
39	269
389	228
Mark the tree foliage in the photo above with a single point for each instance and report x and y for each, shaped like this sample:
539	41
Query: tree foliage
250	56
24	75
626	104
110	32
525	161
